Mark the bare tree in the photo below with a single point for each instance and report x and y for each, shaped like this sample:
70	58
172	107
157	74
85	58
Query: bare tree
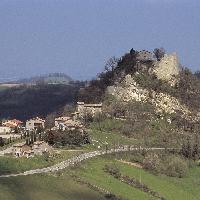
111	64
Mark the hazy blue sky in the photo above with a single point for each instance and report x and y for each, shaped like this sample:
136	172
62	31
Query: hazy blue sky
78	36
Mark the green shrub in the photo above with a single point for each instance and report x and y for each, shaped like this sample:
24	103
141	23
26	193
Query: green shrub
152	162
170	165
175	167
112	170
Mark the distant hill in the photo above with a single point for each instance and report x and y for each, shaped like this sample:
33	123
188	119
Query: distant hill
53	78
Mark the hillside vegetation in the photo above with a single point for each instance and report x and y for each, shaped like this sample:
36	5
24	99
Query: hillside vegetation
37	100
155	96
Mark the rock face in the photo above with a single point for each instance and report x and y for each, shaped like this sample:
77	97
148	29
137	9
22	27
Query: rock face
129	90
167	68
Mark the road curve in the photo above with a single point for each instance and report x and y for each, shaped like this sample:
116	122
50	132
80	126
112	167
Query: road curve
78	159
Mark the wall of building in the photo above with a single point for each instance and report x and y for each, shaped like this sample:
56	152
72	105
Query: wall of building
4	130
92	109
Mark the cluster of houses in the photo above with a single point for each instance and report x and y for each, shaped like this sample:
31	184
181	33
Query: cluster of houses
61	123
37	148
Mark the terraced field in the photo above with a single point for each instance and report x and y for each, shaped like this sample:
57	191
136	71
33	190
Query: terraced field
170	188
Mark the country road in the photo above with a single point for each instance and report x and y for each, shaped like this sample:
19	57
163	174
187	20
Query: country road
78	159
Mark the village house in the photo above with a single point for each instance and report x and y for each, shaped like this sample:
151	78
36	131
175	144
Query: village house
61	120
13	123
34	123
37	148
22	149
67	123
84	109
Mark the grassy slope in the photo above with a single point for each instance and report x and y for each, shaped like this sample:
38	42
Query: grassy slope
171	188
40	187
109	138
92	171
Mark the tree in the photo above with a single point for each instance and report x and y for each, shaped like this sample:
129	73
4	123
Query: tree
16	129
159	53
1	141
111	64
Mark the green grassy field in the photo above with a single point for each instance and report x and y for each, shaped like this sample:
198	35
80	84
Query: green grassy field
40	187
62	186
170	188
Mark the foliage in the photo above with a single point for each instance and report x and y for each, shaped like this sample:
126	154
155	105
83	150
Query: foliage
115	70
112	197
159	53
151	162
191	147
29	101
188	89
67	137
170	165
2	142
112	170
175	166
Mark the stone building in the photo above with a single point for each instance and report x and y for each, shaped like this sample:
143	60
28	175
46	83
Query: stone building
22	149
92	109
34	123
60	120
5	130
37	148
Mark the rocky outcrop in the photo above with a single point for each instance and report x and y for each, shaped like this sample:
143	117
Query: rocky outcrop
129	90
166	103
167	68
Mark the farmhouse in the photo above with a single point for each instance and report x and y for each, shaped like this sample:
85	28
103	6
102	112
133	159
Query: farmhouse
37	148
22	149
12	123
91	109
35	123
61	120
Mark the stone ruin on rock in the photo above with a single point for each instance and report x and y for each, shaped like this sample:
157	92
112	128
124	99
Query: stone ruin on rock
167	68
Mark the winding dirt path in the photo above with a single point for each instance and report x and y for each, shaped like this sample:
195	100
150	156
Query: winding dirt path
78	159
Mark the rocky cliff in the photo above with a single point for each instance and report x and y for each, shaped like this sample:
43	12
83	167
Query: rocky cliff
129	90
